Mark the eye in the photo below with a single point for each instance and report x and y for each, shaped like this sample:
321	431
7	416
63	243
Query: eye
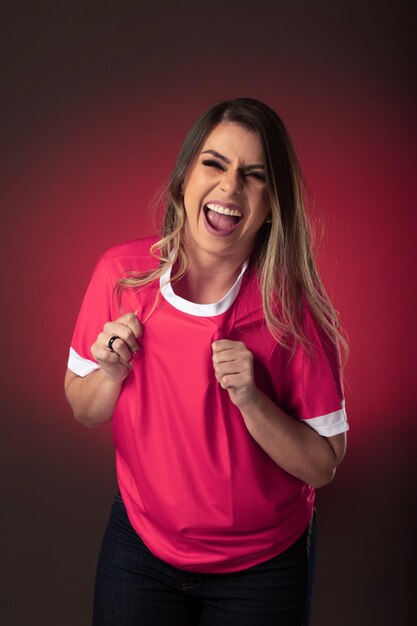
213	163
253	174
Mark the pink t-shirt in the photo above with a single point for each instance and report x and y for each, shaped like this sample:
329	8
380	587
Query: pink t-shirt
198	489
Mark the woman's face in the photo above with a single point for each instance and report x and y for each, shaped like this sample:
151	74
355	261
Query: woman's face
225	193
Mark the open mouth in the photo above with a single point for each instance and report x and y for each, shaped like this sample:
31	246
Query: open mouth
222	219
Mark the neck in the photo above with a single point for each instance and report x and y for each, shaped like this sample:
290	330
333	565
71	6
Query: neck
208	279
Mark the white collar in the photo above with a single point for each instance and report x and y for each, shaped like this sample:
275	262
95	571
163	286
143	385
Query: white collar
200	310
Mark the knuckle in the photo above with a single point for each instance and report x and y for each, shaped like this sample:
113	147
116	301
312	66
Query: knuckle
130	317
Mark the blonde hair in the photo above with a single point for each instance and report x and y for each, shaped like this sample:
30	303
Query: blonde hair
282	257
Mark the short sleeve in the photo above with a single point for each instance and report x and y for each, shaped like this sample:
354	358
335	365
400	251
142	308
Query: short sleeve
97	309
311	385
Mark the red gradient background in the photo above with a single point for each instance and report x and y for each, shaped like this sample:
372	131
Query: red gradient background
95	103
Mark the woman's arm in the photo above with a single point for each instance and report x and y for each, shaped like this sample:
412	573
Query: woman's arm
293	445
93	397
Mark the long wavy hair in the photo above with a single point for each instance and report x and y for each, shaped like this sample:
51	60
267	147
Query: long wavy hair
282	256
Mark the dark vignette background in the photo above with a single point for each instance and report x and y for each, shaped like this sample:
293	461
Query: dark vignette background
95	101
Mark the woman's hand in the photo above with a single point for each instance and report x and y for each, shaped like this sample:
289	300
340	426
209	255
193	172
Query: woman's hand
93	397
233	366
116	362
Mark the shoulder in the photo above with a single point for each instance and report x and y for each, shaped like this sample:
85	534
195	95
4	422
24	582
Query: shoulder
131	249
314	329
131	256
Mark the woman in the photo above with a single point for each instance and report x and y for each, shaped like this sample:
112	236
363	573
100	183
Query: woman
214	350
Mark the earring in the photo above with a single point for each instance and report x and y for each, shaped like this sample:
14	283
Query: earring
268	220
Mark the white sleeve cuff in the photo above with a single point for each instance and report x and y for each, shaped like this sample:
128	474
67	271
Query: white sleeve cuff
330	424
79	365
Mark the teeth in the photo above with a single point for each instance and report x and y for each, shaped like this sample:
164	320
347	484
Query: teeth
224	210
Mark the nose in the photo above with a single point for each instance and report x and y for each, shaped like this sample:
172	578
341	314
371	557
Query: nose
231	182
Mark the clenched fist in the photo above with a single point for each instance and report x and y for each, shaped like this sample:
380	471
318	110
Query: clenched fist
233	366
117	360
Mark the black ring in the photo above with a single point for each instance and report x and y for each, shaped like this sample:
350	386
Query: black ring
111	342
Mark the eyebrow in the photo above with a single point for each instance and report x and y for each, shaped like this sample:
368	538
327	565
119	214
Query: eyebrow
228	161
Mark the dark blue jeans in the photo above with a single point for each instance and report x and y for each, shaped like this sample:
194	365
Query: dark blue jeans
135	588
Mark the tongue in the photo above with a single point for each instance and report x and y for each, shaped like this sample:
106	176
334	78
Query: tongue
220	221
